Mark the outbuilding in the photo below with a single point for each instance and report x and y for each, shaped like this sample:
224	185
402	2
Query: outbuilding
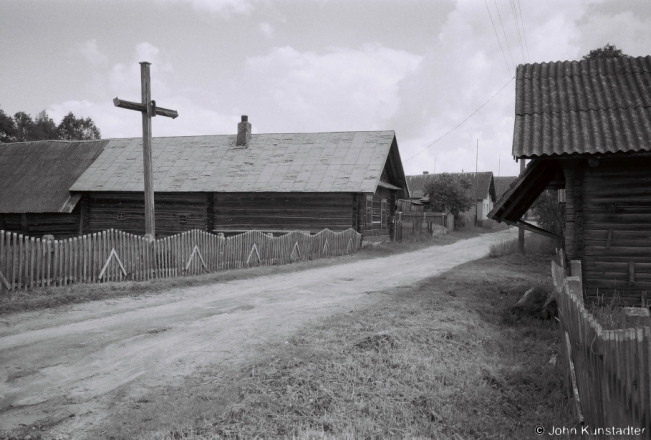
35	178
586	127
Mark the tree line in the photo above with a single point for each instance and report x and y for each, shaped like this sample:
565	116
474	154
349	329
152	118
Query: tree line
22	127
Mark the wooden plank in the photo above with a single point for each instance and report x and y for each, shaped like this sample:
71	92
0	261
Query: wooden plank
21	260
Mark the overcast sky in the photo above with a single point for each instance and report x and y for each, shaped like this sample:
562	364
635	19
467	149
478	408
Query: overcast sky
418	67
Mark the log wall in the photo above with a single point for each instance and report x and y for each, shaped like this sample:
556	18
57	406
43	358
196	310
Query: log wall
60	225
283	211
610	205
175	212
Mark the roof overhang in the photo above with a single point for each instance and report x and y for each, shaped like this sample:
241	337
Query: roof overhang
539	175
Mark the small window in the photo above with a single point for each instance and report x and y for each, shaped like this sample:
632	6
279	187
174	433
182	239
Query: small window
183	218
121	217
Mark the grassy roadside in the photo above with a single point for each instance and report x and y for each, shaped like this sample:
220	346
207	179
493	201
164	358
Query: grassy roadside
444	358
39	299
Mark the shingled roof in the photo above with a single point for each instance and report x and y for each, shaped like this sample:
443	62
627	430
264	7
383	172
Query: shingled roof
485	185
299	162
35	176
583	107
502	183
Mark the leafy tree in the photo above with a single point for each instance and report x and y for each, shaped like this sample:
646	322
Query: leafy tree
72	128
24	126
7	128
44	128
449	192
551	214
608	51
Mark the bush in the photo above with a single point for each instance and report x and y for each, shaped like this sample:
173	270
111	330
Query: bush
534	244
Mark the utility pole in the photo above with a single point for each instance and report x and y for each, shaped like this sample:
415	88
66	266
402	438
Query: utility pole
476	170
520	230
148	109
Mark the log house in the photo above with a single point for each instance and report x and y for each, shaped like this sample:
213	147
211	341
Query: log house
232	183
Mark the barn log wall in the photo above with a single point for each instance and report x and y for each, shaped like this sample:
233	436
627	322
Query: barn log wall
175	212
283	211
60	225
611	207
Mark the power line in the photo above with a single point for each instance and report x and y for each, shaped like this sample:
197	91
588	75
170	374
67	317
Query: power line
460	123
505	37
498	38
517	29
523	31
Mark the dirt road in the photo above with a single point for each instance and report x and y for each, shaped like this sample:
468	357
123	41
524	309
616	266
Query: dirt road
67	368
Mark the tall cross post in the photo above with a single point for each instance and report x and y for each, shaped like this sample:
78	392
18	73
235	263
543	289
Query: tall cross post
148	109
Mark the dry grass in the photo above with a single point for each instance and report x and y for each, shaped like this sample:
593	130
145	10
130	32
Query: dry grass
20	301
439	359
534	244
611	315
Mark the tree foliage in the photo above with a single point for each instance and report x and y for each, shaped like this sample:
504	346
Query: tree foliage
22	127
80	129
608	51
551	214
449	192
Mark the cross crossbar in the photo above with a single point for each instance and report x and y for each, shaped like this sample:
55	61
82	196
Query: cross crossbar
140	107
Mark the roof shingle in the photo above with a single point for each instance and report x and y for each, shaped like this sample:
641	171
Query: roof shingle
583	107
35	176
319	162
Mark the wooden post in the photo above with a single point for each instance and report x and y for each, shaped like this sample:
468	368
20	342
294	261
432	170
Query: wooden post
520	230
148	109
145	83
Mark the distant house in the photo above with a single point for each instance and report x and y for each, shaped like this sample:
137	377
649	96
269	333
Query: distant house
34	181
482	190
270	182
586	126
502	184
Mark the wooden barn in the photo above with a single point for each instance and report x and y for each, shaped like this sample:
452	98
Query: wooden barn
586	126
34	181
482	190
232	183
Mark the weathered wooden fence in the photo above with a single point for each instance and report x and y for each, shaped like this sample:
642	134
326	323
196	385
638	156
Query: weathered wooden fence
409	223
29	263
608	372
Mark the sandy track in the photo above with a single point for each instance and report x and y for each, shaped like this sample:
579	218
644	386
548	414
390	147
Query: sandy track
68	367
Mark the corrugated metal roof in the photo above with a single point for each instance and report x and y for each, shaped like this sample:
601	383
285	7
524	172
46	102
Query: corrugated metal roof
285	162
485	185
35	176
583	107
502	183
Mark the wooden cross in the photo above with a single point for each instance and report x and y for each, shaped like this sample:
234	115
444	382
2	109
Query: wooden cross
148	109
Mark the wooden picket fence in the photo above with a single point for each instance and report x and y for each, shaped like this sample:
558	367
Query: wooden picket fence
608	372
28	263
407	224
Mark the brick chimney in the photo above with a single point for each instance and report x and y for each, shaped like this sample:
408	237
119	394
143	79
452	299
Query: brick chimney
243	132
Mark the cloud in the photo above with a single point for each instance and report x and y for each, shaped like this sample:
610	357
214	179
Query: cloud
464	68
225	8
266	29
123	80
341	89
90	51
